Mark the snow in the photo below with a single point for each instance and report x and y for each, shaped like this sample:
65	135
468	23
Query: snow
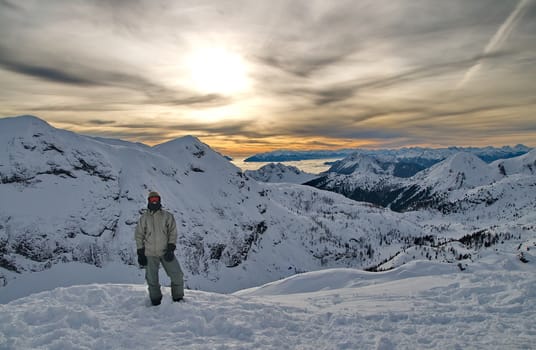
422	305
522	164
70	274
461	170
279	173
357	163
70	198
69	279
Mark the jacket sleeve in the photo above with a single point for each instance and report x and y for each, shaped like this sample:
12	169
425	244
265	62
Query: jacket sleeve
139	233
172	230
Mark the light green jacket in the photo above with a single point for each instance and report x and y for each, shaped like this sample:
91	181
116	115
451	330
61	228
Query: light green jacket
154	231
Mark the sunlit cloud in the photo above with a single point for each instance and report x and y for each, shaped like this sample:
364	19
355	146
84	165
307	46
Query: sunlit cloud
254	76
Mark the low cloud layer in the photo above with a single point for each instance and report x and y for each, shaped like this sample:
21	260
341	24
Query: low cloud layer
320	74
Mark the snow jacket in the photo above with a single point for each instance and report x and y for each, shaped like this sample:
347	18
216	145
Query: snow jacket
155	229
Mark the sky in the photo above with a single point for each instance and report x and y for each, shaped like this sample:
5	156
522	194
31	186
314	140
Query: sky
254	76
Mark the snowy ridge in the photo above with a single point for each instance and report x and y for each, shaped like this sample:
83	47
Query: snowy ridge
525	164
278	173
421	305
461	170
358	164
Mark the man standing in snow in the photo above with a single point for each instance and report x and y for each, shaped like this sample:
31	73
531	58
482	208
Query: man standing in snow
156	238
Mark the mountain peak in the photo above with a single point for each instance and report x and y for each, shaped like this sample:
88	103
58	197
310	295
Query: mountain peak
278	172
181	142
460	170
357	163
23	124
26	118
462	159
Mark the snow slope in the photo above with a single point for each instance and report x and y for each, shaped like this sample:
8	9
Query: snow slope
423	305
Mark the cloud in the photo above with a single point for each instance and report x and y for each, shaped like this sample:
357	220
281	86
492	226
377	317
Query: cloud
100	122
183	98
45	73
9	5
372	70
498	39
87	76
342	91
221	128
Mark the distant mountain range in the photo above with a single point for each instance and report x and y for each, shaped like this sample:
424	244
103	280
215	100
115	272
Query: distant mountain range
415	155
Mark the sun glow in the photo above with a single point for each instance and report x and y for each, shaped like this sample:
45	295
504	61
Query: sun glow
218	71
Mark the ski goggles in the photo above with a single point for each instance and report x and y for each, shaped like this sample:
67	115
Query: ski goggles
154	199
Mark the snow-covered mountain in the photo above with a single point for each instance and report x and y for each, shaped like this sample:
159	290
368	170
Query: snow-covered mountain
358	163
460	171
461	261
491	203
71	198
461	176
525	164
278	173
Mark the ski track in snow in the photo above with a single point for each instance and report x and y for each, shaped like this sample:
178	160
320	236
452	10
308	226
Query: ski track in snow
406	308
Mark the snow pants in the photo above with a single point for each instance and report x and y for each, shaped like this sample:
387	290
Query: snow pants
173	270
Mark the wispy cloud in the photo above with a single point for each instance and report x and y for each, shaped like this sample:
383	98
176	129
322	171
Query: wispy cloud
47	73
344	90
6	4
498	39
88	76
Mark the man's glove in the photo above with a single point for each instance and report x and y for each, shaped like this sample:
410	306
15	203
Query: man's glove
169	255
142	259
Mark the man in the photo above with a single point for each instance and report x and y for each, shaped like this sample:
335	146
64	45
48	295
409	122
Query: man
156	238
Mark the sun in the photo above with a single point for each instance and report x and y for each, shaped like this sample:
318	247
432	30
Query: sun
217	70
